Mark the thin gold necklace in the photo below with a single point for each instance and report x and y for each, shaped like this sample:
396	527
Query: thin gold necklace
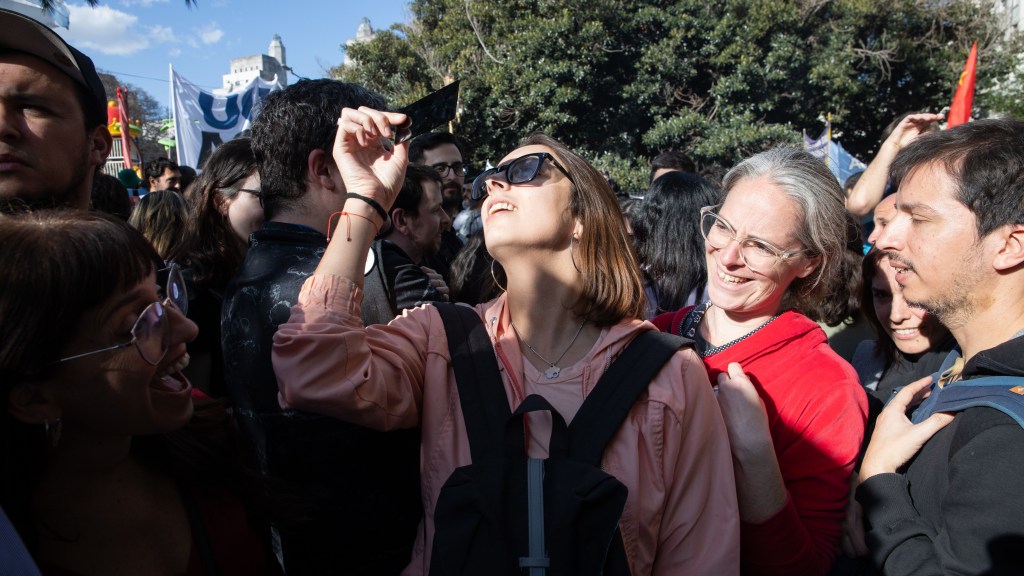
553	370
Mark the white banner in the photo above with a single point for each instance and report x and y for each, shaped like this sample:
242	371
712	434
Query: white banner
204	120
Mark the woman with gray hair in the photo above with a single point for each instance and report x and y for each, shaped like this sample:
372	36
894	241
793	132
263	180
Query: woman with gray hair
793	409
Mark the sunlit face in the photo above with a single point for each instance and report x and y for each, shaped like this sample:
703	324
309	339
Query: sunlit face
431	220
169	180
447	153
533	214
244	211
913	330
46	154
756	208
118	393
933	244
883	213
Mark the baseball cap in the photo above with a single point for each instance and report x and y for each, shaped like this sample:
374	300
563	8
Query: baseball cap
24	34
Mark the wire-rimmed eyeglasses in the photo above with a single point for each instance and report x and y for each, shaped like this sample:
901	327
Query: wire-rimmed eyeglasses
151	332
758	255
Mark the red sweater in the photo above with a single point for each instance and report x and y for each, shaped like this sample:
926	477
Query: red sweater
816	414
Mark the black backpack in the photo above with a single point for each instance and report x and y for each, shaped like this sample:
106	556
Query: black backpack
487	520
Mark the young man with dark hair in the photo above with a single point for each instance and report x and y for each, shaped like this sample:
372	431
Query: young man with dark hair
351	494
444	153
162	174
53	133
941	491
418	221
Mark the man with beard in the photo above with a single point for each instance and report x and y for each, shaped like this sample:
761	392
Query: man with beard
443	152
418	220
53	133
162	174
941	489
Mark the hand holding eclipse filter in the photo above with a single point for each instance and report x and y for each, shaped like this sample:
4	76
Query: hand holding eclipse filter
367	165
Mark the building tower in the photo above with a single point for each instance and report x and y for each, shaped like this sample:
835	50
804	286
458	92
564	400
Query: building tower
363	34
245	68
276	51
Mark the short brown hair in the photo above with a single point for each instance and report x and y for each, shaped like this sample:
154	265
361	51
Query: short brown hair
984	160
612	289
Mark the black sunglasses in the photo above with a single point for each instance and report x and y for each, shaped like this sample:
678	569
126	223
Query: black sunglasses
518	171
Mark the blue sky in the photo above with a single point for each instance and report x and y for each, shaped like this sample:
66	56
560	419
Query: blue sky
136	39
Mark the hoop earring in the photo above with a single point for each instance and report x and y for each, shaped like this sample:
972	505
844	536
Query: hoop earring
53	432
495	278
573	257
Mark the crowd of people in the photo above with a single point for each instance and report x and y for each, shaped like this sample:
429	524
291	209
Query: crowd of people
335	353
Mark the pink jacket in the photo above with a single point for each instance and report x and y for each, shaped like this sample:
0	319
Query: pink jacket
672	453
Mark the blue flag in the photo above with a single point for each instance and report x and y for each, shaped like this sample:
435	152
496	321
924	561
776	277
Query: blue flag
839	161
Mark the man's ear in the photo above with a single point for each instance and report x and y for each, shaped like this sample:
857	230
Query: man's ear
99	142
400	221
320	169
1010	247
30	404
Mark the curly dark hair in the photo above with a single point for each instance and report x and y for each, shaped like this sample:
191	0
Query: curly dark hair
291	124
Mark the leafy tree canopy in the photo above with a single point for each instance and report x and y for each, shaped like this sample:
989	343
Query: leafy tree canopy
622	80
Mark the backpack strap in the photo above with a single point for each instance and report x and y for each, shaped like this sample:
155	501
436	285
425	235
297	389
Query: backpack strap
607	405
536	562
481	393
1003	393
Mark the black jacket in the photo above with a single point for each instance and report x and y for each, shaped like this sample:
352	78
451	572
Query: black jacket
346	498
958	506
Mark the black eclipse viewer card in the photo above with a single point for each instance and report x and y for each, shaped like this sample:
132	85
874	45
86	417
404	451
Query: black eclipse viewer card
428	113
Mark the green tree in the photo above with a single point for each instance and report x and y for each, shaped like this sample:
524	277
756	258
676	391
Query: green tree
389	65
623	80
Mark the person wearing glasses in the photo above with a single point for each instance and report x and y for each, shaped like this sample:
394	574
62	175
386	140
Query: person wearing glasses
795	411
572	300
108	466
224	209
445	153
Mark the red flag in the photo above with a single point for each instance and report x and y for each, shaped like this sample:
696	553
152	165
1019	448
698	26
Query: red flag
960	109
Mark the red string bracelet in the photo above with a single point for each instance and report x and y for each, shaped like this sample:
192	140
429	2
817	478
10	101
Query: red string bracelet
348	224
